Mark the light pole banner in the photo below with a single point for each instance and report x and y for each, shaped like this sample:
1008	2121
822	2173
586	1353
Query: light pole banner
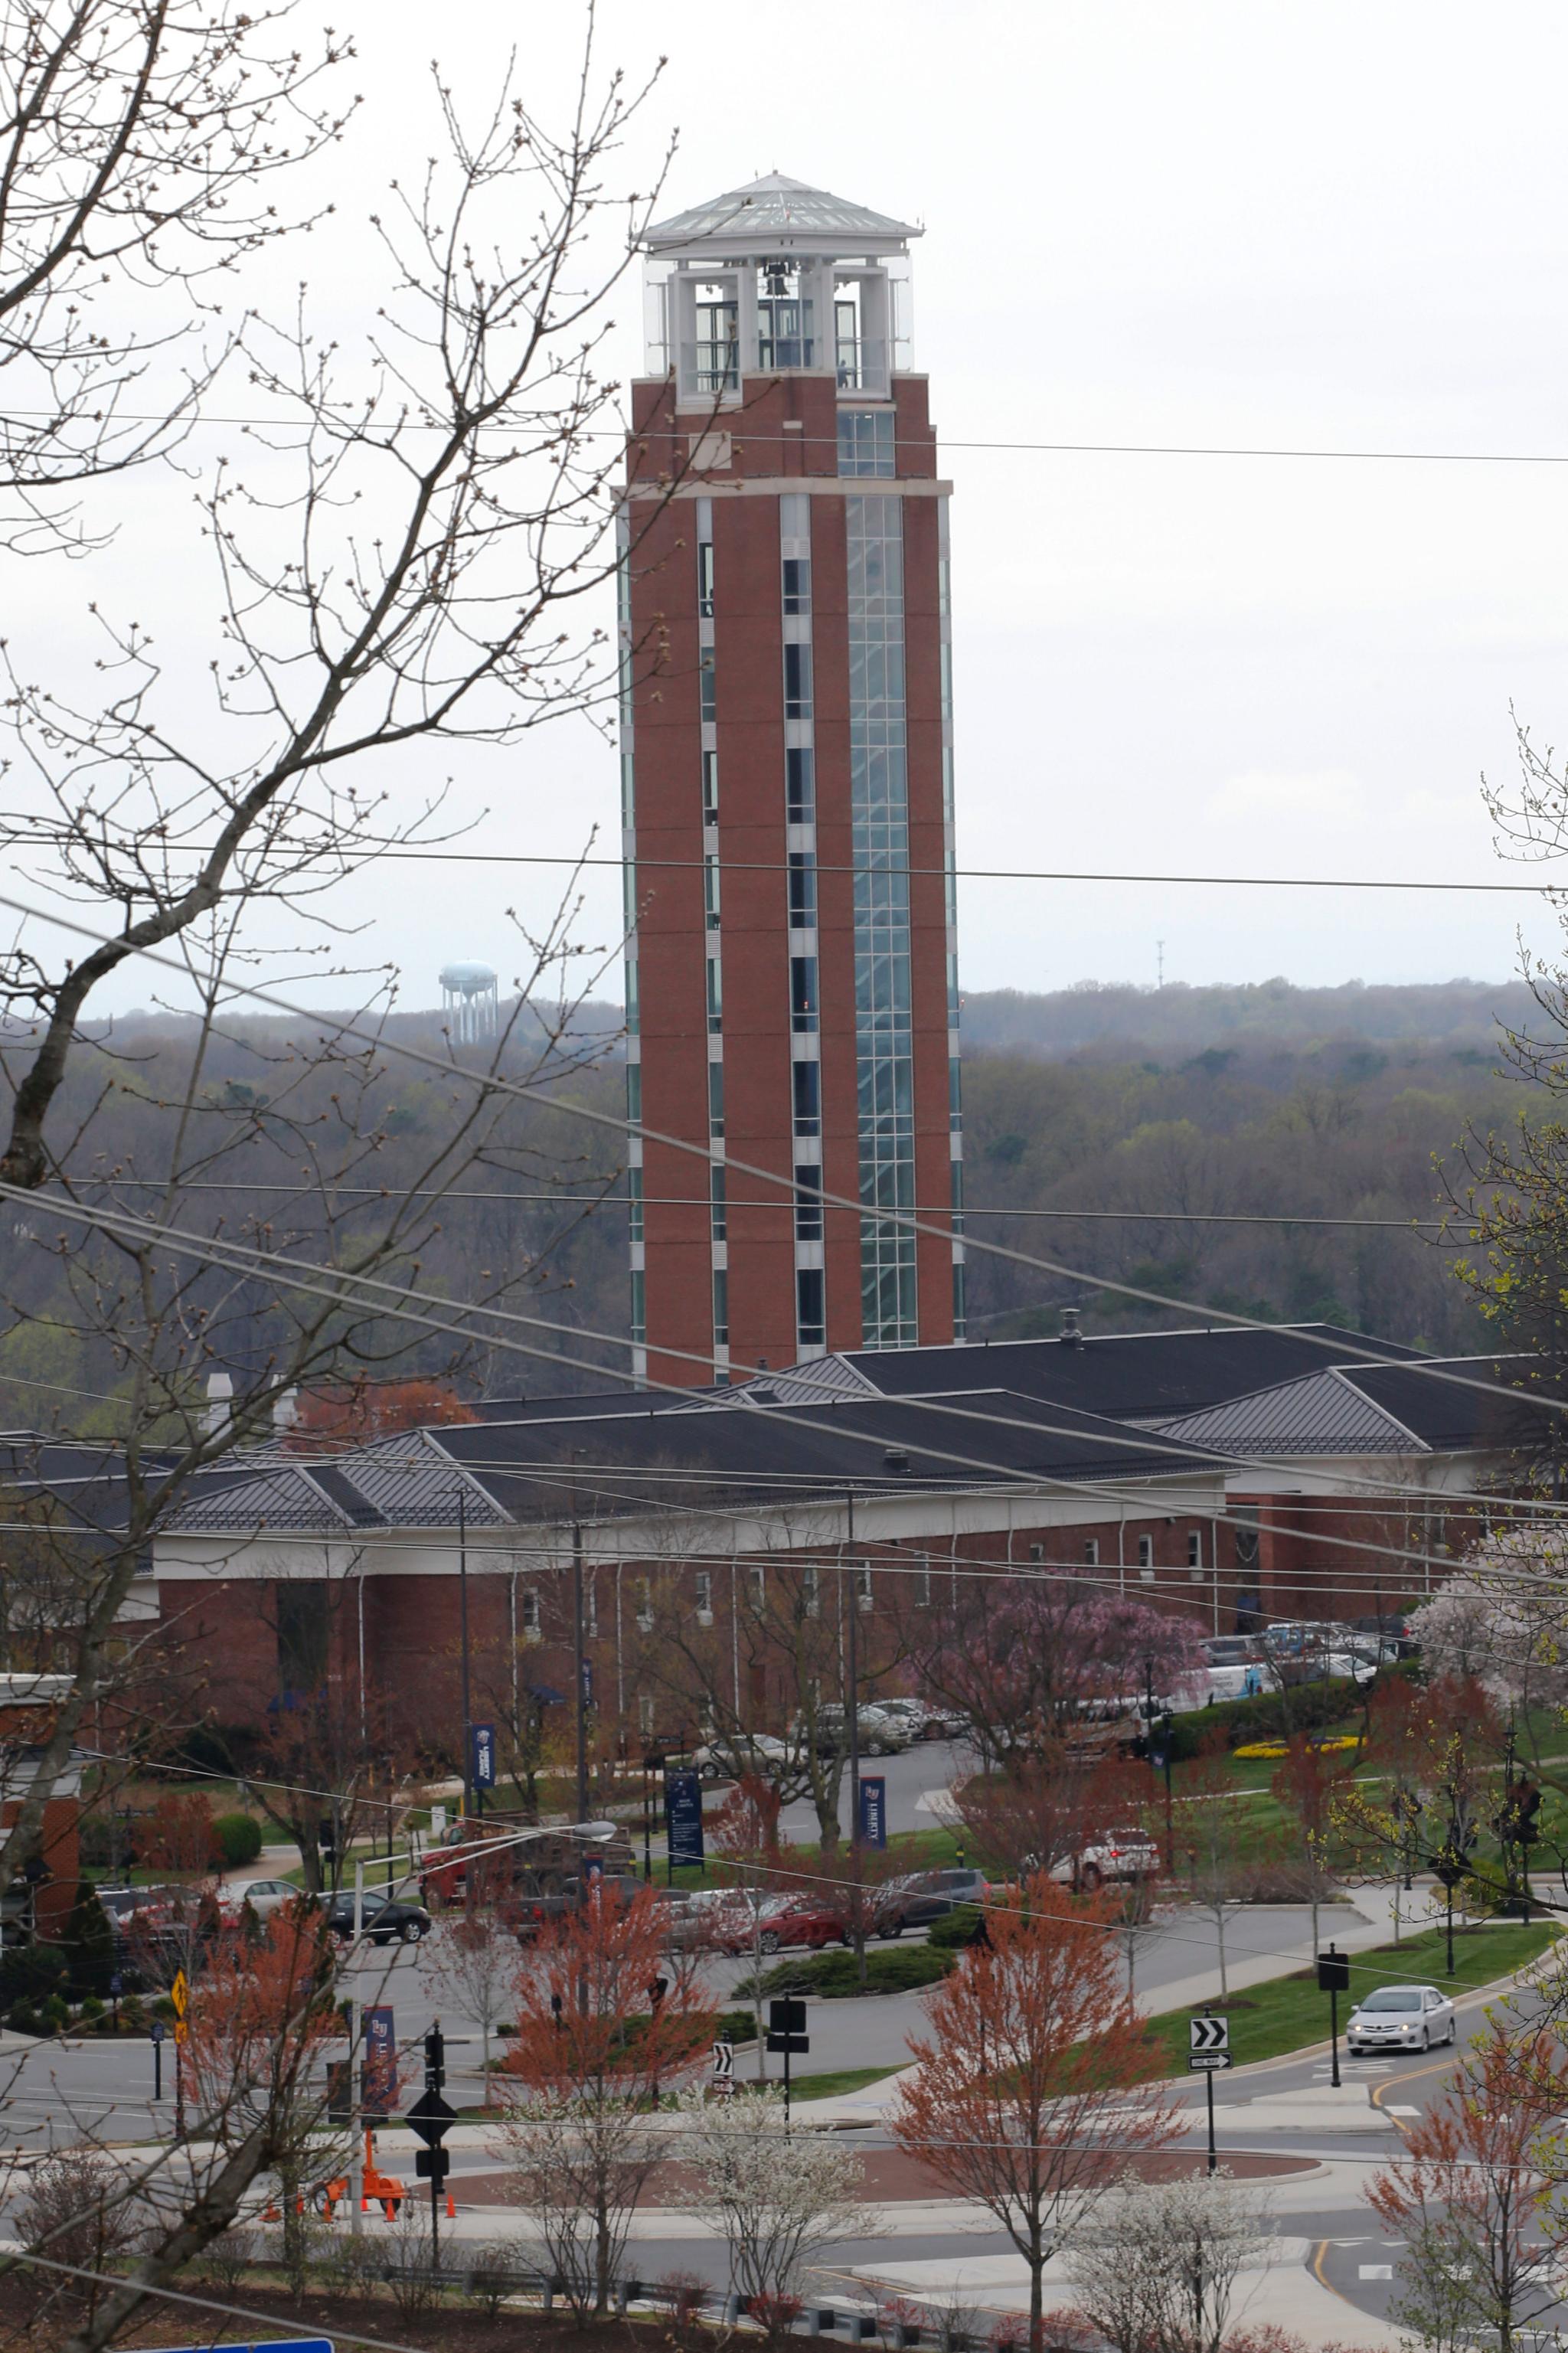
683	1817
873	1810
482	1755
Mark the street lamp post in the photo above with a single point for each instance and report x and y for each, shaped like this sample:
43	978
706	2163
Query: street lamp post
463	1612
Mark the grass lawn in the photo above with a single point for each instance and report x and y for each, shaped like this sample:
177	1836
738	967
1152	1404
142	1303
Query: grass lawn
1285	2013
832	2086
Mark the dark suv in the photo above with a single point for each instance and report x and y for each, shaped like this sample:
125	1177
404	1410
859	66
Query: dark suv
385	1919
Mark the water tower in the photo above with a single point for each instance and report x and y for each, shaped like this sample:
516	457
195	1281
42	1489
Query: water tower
471	1002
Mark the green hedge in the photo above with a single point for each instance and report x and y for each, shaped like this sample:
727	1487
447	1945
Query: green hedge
1272	1716
955	1929
836	1973
238	1840
30	1973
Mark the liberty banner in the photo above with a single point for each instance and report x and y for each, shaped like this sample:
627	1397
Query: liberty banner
873	1810
683	1817
378	2082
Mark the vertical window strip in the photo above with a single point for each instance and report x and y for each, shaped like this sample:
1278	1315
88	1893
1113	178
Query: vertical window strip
879	824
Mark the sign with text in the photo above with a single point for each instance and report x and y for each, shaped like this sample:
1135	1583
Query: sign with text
378	2082
1334	1971
482	1755
873	1810
1208	2045
683	1816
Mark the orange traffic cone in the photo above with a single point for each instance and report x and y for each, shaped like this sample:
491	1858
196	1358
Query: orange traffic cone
451	2208
272	2215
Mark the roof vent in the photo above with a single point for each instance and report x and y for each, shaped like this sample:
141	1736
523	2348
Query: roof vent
1071	1337
895	1460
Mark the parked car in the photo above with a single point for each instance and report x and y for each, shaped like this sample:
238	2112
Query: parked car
739	1920
265	1896
1118	1854
922	1896
924	1718
726	1757
1401	2018
1395	1630
881	1734
385	1919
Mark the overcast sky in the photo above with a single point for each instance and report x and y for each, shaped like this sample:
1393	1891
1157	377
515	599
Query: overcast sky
1315	226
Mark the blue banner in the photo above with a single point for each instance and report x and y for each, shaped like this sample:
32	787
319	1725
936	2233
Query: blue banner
873	1810
683	1817
482	1755
378	2085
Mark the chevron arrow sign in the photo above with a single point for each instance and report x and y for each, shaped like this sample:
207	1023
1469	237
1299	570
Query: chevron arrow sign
1208	2034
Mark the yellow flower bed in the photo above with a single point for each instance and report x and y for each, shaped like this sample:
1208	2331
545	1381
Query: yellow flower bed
1278	1748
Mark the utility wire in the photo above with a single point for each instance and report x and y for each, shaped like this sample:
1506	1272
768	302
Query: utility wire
494	1082
591	1201
376	851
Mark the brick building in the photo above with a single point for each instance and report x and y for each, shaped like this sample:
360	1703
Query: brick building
787	798
1234	1476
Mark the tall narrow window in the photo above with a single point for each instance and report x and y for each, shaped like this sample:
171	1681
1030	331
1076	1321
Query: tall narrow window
796	584
803	1009
717	1211
800	786
797	681
715	1098
866	441
864	1596
710	787
633	1009
528	1613
710	890
702	1588
633	1213
1091	1553
810	1314
705	578
639	1309
707	696
808	1080
720	1308
1146	1556
808	1202
802	890
715	997
810	1590
633	1092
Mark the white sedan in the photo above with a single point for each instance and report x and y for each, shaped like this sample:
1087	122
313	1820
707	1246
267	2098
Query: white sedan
265	1896
1401	2018
747	1752
1118	1854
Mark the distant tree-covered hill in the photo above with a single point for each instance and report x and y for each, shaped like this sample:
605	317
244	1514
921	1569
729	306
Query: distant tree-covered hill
1112	1016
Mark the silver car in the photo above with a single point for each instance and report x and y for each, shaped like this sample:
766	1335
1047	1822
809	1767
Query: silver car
1401	2018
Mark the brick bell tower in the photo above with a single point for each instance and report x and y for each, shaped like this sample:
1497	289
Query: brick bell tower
786	756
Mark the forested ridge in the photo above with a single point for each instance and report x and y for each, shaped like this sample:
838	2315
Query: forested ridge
1261	1103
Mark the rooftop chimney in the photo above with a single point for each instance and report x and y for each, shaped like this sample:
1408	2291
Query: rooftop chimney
220	1401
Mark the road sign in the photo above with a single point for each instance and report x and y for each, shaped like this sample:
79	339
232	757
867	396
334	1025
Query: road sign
180	1993
1333	1972
683	1816
157	2030
786	2016
1208	2034
430	2118
723	2062
432	2164
1208	2062
873	1810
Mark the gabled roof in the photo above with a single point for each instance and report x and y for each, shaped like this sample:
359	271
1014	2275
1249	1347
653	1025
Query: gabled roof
1323	1413
778	212
1448	1405
1139	1375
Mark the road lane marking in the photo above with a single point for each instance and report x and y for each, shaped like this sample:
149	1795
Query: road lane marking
1374	2271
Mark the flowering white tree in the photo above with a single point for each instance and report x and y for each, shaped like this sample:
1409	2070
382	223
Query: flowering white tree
1503	1621
1156	2265
783	2195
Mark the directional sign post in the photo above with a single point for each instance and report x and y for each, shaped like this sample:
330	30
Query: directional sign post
1334	1979
180	1995
1208	2051
724	2066
430	2118
786	2033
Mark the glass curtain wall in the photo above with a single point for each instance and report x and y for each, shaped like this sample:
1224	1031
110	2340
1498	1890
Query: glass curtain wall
880	807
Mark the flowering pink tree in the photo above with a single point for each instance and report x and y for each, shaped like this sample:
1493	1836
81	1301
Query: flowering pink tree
1027	1659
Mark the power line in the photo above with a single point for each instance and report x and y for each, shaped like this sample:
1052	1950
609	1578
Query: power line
725	418
591	1201
913	873
495	1082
